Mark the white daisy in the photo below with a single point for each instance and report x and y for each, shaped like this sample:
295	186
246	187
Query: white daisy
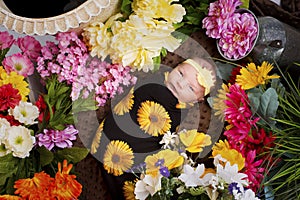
4	125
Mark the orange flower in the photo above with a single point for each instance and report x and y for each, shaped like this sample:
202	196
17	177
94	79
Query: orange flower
66	187
29	188
9	197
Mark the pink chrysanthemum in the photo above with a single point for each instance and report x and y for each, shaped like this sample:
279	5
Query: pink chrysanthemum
239	37
18	63
62	139
6	40
29	46
219	16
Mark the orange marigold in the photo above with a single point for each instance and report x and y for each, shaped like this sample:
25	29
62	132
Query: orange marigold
9	197
65	186
31	187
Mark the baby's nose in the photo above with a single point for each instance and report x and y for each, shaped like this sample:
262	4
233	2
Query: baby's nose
182	83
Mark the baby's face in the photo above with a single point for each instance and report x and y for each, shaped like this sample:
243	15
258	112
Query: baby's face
182	82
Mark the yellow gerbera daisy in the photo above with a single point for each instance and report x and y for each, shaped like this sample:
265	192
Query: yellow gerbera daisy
219	105
231	155
125	104
118	157
128	190
194	140
252	76
97	138
17	82
153	118
168	158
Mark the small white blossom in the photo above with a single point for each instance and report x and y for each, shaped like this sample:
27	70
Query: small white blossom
25	113
230	174
3	150
169	139
148	185
19	141
191	176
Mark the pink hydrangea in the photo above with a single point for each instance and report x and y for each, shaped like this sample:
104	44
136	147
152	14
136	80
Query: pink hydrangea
239	37
6	40
18	63
29	46
57	138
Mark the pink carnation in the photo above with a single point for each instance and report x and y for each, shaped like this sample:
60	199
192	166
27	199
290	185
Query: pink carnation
29	46
6	40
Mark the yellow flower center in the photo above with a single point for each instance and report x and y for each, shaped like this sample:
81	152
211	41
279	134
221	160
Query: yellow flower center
18	67
19	140
24	113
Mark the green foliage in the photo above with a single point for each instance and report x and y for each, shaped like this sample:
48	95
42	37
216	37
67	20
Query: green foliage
284	178
196	10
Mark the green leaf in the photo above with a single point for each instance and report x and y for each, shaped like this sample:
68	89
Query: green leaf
245	4
8	167
224	70
156	62
126	7
46	156
74	154
269	103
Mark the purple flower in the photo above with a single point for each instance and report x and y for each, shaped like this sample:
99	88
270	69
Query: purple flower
164	171
62	139
233	186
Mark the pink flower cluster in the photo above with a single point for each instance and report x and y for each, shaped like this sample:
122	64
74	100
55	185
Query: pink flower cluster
245	136
236	31
59	138
70	61
20	62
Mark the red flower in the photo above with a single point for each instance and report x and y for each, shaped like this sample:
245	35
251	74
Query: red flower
41	104
11	120
9	97
235	71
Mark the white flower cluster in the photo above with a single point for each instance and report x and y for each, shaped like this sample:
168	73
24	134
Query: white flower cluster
18	139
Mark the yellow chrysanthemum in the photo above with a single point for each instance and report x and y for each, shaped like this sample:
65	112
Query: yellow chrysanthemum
118	157
98	36
97	138
17	82
219	105
168	158
128	190
231	155
194	141
252	76
125	104
153	118
165	9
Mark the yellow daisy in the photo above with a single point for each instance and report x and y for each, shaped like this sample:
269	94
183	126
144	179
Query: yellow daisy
219	105
231	155
128	190
96	140
118	157
168	158
17	82
125	104
153	118
194	141
252	76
